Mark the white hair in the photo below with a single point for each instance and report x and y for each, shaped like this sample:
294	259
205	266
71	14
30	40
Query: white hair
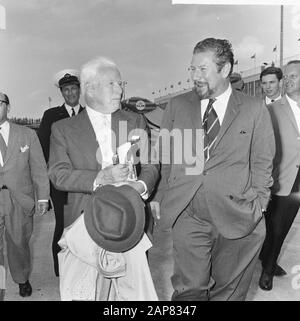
90	70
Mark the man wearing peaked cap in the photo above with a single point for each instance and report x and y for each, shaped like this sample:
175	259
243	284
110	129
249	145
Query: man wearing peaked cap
68	82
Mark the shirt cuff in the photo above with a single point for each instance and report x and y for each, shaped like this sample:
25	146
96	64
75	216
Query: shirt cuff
40	201
145	194
95	186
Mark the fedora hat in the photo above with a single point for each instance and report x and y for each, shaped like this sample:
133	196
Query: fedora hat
115	217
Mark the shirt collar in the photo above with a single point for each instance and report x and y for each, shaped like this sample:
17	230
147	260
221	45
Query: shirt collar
291	101
269	100
223	98
97	114
4	126
69	107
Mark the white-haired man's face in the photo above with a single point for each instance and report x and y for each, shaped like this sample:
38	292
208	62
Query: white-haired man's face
107	91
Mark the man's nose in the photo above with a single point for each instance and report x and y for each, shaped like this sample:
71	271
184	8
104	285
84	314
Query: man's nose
119	88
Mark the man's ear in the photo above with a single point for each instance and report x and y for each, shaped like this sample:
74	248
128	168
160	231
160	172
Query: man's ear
226	70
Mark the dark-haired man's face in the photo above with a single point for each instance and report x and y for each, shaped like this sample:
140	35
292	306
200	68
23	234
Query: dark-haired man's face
208	81
271	86
71	94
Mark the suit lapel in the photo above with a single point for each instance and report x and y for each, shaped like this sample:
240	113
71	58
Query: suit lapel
195	114
80	109
287	109
120	132
63	113
12	141
86	136
232	110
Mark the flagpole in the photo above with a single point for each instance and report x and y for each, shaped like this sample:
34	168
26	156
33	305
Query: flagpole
281	36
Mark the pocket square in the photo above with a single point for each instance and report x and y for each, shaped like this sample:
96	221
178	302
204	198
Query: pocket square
24	148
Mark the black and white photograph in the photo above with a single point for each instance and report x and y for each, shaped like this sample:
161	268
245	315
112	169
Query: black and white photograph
149	152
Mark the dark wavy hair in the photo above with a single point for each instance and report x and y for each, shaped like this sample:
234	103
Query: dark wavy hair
222	49
271	71
5	98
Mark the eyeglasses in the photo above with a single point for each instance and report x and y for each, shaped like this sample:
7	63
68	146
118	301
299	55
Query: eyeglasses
291	77
3	102
120	83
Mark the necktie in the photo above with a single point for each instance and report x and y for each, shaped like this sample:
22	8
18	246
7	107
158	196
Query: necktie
73	112
211	126
3	147
272	100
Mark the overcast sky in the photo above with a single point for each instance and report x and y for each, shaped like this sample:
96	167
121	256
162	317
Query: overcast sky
150	40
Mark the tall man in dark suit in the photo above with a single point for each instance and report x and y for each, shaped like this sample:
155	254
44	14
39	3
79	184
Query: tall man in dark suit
69	85
285	200
23	179
82	148
215	205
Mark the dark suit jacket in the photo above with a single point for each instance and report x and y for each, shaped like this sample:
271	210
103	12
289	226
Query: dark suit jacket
51	116
237	177
287	158
73	165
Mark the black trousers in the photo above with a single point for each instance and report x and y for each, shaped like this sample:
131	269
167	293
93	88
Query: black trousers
280	215
59	199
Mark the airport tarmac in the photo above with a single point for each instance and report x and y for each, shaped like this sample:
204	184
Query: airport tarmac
46	285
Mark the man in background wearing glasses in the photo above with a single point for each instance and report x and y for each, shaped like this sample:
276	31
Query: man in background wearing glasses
23	175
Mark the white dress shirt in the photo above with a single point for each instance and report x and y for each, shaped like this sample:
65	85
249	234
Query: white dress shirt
219	105
269	100
69	109
5	133
5	127
295	109
101	124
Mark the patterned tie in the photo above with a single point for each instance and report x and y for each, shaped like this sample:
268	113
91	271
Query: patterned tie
3	147
73	112
211	126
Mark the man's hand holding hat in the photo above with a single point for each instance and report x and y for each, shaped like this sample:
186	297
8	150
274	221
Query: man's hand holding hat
112	174
115	217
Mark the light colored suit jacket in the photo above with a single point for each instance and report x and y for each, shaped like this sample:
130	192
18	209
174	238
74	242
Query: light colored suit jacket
237	177
287	158
73	165
24	171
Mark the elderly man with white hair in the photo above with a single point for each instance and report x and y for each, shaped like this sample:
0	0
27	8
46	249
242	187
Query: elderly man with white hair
83	148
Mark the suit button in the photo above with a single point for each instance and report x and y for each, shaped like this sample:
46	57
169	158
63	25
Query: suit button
231	197
204	172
